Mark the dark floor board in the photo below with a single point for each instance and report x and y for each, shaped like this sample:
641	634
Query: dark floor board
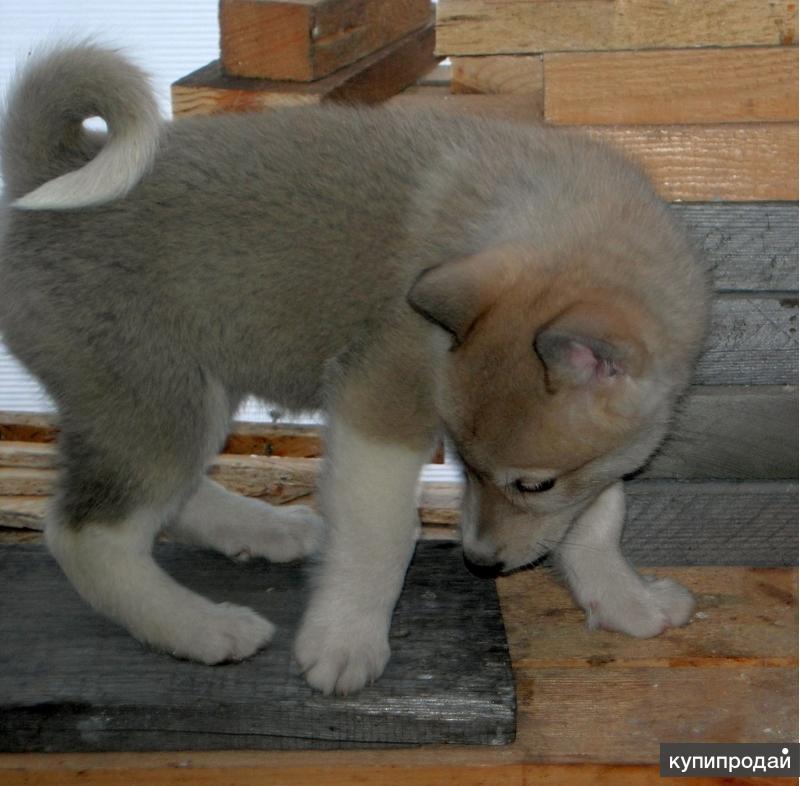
70	680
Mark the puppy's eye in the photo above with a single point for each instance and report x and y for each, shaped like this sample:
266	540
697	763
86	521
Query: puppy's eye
534	488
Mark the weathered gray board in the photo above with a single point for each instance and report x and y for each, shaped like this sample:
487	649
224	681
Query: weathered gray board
748	247
70	680
732	433
752	341
711	523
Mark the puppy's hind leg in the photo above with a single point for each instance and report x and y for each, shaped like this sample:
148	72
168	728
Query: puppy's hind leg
605	585
242	528
126	470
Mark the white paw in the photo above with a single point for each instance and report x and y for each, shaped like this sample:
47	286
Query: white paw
216	633
279	534
342	658
644	608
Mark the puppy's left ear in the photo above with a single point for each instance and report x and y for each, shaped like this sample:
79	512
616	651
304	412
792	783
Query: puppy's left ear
455	294
590	344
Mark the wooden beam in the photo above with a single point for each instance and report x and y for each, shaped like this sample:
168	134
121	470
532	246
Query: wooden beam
746	162
372	79
506	74
488	27
304	40
744	84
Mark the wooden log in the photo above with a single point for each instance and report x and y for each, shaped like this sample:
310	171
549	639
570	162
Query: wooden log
372	79
304	40
449	679
506	74
744	84
748	247
526	109
489	27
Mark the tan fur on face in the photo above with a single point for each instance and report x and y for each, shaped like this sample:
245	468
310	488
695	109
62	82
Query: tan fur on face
510	417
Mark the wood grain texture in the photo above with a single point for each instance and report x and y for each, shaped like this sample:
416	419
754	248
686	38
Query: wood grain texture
747	162
507	74
486	27
290	40
753	341
747	247
745	84
449	679
739	645
347	773
372	79
731	162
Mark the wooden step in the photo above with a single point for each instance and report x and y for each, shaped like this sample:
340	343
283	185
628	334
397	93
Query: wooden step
304	40
489	27
372	79
592	706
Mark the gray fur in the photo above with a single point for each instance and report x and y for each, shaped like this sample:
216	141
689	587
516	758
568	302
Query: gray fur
273	255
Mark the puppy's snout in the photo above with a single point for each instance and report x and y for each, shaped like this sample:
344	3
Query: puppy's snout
483	570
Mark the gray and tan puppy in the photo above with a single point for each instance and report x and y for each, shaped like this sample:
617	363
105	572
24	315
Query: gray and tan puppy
520	288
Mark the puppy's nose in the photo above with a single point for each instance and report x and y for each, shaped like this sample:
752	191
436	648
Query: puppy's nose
483	570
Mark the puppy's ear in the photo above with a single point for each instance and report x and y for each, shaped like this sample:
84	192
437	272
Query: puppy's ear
455	294
589	344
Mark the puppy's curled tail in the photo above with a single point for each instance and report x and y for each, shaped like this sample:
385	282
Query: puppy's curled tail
49	161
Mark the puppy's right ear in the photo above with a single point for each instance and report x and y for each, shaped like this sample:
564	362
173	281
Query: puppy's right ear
455	295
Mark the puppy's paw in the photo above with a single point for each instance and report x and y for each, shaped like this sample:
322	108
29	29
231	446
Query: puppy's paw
279	534
218	633
340	658
643	609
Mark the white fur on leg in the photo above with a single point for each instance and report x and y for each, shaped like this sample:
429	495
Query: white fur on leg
111	566
242	528
606	586
368	497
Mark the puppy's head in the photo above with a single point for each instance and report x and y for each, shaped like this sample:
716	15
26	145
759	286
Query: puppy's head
555	385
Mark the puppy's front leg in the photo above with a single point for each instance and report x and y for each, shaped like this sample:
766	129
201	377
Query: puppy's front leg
368	500
604	583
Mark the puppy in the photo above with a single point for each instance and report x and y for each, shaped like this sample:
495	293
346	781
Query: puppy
521	289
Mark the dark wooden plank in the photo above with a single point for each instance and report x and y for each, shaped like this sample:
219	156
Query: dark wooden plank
753	341
732	433
712	523
449	679
748	247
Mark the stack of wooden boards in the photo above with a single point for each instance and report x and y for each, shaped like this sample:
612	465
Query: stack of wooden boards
287	52
703	94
